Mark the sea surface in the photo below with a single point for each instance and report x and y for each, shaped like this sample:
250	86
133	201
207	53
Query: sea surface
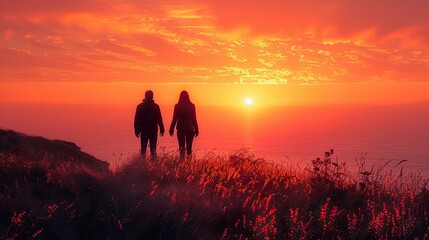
287	135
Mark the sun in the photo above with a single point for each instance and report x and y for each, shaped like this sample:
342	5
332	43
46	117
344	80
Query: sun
248	101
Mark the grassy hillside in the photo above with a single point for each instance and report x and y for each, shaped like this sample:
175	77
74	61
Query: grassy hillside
48	195
49	189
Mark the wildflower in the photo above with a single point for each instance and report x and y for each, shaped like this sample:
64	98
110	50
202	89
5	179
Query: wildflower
237	223
174	197
294	215
327	161
268	202
68	207
17	218
120	225
52	208
352	222
186	216
324	217
36	234
225	232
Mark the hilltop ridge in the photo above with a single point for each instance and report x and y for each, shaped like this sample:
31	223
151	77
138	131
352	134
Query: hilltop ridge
15	143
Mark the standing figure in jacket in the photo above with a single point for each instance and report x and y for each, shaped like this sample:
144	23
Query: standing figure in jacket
187	127
146	121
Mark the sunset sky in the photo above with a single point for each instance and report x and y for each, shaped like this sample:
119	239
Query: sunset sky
275	51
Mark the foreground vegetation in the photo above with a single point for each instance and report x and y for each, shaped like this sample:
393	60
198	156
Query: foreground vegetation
235	196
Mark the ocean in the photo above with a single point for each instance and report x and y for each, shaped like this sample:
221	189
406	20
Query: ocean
286	135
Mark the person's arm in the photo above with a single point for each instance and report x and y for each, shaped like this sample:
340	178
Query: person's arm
160	123
194	120
137	122
173	122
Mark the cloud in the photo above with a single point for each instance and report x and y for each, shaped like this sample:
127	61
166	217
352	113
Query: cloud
207	41
51	7
381	20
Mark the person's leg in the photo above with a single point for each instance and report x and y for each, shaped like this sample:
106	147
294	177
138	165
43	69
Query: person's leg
143	142
189	140
181	140
153	138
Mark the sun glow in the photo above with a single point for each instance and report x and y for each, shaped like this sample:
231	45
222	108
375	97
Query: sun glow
248	101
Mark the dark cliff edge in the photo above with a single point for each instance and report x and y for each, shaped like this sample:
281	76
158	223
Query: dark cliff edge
37	148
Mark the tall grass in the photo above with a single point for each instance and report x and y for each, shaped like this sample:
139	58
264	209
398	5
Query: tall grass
43	196
235	196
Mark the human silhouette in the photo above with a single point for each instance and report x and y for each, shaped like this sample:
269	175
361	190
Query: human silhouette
146	121
187	127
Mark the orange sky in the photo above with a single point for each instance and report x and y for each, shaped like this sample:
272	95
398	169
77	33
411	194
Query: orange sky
276	51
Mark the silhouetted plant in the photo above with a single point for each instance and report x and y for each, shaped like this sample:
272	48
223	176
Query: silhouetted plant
234	196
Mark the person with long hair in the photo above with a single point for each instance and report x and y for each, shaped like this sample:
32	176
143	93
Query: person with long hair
187	127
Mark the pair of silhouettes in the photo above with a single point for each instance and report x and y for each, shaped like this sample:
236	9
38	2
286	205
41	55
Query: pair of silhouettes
148	117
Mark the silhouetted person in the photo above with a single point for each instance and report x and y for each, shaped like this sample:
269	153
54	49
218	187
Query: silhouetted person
187	126
146	121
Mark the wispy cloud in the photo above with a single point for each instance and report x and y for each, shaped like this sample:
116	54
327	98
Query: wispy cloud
266	42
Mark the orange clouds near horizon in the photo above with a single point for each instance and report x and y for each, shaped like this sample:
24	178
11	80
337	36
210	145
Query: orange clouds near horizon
375	48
